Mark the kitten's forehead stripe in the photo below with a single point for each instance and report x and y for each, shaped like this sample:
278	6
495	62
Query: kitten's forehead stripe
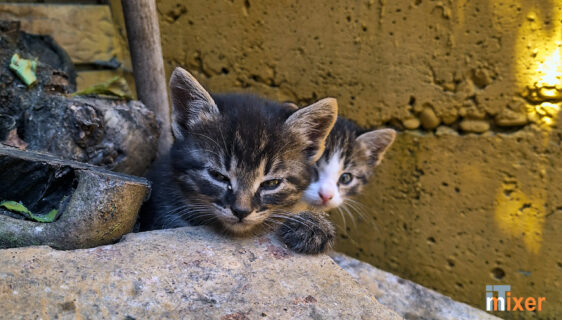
342	139
268	164
257	176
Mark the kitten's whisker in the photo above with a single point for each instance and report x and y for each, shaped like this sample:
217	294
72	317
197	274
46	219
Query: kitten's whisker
296	219
206	150
223	140
343	218
208	138
176	210
340	228
213	152
359	204
356	208
281	223
364	216
352	217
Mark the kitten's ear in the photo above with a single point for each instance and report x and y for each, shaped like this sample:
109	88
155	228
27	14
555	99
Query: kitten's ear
313	124
375	143
191	103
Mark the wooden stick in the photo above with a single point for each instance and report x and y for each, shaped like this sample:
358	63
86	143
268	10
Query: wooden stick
143	33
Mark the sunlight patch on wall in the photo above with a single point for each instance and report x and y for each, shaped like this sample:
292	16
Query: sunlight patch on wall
549	72
539	66
521	216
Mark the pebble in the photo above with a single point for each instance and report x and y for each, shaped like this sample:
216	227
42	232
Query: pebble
511	120
482	78
449	86
465	88
429	120
444	130
411	124
477	126
450	117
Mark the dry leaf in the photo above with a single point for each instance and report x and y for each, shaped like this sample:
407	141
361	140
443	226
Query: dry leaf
14	140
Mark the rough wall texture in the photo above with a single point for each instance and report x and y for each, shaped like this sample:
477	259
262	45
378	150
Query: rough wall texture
99	53
455	213
471	196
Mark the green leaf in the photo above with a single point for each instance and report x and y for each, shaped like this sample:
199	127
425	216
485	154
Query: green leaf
18	207
49	217
114	87
15	207
25	69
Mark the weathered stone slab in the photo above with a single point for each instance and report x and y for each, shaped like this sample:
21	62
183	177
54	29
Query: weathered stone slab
95	206
186	273
86	32
410	300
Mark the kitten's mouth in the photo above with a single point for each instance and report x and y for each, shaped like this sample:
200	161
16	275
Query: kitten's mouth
239	227
323	206
235	225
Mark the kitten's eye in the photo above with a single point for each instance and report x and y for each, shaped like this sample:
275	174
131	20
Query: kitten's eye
270	184
346	178
218	176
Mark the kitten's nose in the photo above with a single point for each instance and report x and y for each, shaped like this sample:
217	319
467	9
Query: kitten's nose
241	213
325	196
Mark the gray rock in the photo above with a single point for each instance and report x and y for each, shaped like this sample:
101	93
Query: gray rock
408	299
116	134
186	273
95	206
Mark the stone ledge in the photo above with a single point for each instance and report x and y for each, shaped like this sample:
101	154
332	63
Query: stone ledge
181	273
410	300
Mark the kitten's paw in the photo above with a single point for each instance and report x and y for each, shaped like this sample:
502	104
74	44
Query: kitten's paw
307	232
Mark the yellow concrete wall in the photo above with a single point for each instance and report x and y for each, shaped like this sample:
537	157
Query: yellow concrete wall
89	33
471	192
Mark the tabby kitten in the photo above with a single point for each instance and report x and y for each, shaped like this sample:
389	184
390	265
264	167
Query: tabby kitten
239	163
346	164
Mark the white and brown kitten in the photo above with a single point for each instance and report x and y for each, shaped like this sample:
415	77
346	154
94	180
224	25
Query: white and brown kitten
239	162
347	164
345	167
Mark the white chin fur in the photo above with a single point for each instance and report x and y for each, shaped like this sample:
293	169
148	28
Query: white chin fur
239	227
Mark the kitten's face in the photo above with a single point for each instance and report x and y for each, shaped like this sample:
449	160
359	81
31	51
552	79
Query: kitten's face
346	165
237	162
238	179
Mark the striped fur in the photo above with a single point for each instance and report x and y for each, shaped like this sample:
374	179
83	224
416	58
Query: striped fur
239	162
